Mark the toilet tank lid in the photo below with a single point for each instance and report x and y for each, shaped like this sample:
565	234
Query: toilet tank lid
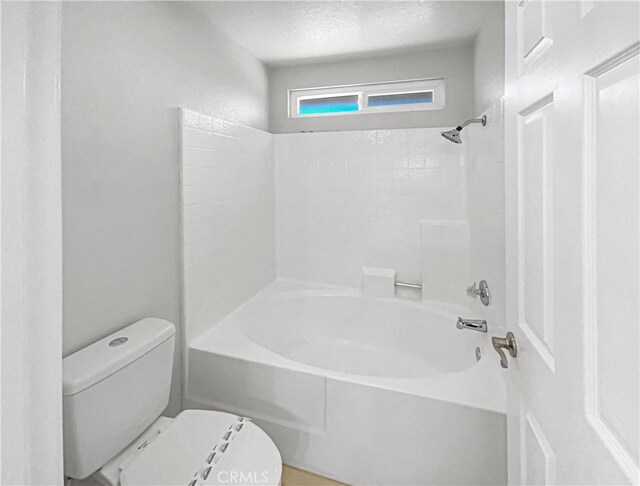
101	359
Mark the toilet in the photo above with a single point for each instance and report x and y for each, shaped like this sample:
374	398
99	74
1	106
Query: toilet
114	393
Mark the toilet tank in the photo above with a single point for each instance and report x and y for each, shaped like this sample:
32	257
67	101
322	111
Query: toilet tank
112	391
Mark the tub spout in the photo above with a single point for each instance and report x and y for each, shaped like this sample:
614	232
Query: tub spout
479	325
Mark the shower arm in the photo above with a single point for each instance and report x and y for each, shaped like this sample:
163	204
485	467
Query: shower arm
482	120
453	135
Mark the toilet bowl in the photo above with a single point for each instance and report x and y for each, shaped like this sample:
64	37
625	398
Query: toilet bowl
114	391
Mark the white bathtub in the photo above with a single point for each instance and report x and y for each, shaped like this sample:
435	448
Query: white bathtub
367	391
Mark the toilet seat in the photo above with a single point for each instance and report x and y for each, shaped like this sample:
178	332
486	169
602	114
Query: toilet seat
202	448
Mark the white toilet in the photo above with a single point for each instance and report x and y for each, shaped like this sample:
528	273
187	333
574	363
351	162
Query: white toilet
114	392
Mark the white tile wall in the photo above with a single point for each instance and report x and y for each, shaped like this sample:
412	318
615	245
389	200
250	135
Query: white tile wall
486	209
445	261
345	200
228	217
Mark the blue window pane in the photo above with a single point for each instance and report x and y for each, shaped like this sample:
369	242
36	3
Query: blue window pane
400	99
334	104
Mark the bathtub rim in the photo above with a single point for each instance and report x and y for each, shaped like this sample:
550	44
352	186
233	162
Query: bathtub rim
481	386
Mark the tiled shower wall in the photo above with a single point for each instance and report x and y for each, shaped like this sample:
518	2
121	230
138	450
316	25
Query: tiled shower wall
486	209
345	200
228	217
341	201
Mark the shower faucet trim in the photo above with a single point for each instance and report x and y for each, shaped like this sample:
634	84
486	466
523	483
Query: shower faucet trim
481	291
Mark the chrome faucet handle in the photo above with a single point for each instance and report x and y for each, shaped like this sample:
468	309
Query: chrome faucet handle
482	291
500	344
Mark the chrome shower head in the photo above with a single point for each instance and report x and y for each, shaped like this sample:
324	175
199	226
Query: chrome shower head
454	134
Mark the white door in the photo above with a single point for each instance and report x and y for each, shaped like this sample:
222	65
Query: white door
572	184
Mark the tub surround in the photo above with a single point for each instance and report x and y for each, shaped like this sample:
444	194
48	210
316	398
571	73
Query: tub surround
378	282
347	200
445	260
228	217
343	201
485	210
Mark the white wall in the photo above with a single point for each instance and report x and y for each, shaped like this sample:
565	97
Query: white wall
350	199
31	379
228	217
454	64
488	59
486	209
126	67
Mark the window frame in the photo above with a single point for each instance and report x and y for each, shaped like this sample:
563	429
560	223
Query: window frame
435	85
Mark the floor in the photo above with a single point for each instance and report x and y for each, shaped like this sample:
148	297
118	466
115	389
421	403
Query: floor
297	477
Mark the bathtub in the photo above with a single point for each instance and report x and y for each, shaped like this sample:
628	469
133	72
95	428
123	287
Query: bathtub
366	391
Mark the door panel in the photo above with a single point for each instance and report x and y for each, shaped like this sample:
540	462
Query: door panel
533	33
572	208
611	230
535	161
539	460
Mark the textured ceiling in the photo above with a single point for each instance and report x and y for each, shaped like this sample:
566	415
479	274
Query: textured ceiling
287	32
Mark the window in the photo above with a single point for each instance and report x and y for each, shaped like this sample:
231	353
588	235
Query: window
414	95
316	105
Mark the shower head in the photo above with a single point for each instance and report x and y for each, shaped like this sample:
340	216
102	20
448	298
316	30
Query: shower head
454	134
